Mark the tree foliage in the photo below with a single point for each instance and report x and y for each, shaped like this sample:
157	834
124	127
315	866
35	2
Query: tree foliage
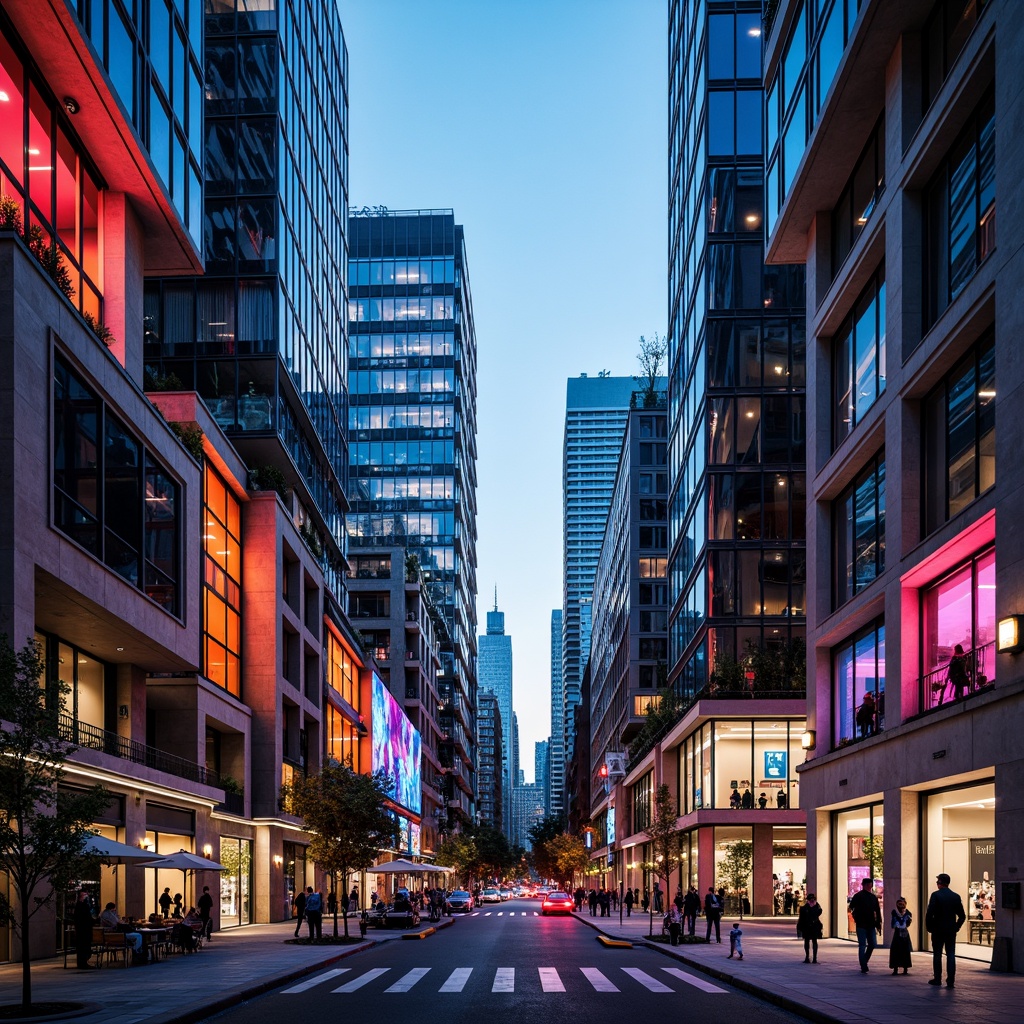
569	855
541	834
41	837
664	710
346	815
781	668
735	867
458	851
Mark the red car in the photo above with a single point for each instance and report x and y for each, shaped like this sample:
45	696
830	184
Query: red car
556	903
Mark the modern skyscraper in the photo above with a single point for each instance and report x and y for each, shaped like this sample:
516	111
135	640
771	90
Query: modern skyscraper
412	421
894	156
540	766
595	414
736	359
494	673
490	789
261	337
554	795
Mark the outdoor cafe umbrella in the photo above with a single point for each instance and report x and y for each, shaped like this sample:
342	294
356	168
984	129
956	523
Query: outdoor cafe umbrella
184	862
110	851
406	867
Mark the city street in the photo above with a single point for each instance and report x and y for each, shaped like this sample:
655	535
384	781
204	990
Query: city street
505	965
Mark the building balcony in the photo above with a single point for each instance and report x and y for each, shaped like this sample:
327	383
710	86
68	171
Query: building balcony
91	737
944	686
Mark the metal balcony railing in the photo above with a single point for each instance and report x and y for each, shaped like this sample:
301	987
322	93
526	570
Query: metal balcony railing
940	686
93	738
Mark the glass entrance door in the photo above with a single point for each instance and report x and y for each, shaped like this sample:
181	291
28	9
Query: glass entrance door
235	882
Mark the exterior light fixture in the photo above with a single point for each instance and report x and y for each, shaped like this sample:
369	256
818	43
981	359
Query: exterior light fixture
809	740
278	860
1010	636
71	105
208	851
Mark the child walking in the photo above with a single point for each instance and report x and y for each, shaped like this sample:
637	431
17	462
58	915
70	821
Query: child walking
735	942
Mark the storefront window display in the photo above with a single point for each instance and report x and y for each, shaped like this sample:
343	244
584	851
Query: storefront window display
789	869
742	765
858	847
235	882
959	839
734	865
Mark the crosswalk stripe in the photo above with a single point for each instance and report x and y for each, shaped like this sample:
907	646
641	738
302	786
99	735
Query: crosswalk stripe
318	980
405	983
501	913
363	979
549	980
598	980
457	980
704	986
488	914
651	984
504	980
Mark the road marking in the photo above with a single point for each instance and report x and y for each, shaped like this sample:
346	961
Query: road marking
501	913
549	980
363	979
405	983
457	980
704	986
319	979
488	914
651	984
598	980
476	913
504	980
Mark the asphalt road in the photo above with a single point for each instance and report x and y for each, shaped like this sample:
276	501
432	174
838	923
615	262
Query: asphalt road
506	964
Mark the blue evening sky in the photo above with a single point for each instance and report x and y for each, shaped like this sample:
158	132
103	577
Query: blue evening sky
542	124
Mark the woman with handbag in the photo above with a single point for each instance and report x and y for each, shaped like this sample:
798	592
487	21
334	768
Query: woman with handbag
900	948
808	927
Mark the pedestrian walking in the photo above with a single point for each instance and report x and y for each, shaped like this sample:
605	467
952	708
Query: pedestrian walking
299	903
943	919
658	906
735	942
867	917
165	903
353	900
900	946
205	907
691	908
713	913
646	902
627	901
592	902
314	913
808	927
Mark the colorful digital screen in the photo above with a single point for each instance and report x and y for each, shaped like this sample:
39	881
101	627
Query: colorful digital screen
610	828
395	747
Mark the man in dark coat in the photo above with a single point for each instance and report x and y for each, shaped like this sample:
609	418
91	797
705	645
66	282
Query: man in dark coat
867	917
82	917
691	908
205	908
713	913
943	919
299	903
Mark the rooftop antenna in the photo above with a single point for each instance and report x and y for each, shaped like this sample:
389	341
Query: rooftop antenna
495	596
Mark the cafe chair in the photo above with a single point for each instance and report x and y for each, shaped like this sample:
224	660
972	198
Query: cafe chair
115	944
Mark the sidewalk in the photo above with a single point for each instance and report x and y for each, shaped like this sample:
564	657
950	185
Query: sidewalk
834	989
237	964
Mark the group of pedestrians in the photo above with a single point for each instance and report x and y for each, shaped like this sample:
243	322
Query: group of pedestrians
944	917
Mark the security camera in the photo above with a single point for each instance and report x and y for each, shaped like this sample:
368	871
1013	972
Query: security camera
71	105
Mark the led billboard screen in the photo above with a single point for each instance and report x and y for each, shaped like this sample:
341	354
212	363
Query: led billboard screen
396	747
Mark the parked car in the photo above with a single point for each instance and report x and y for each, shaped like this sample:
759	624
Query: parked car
490	896
460	901
556	903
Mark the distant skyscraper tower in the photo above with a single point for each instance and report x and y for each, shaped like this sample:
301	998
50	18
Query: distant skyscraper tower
540	766
412	423
490	792
495	674
595	416
554	801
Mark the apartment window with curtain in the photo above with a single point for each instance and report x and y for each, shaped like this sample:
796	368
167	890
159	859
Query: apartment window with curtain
959	421
960	211
859	532
858	360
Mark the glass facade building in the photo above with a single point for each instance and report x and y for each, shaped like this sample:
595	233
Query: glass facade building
736	362
495	675
412	425
261	337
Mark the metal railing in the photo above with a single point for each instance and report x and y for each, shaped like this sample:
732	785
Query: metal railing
91	737
938	688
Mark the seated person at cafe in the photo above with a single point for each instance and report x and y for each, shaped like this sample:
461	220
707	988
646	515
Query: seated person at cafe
110	920
184	934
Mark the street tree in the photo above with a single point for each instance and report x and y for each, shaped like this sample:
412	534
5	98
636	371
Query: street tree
458	851
494	854
734	869
347	815
42	837
664	836
540	835
569	856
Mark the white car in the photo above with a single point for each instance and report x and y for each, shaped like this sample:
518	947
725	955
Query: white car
490	896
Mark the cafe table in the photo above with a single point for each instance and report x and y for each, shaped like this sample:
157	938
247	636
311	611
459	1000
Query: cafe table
152	940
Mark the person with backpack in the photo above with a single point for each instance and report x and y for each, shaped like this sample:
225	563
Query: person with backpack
299	903
314	913
713	912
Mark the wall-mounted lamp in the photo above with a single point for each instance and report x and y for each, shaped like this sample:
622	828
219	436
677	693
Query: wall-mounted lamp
809	740
71	105
146	843
278	860
123	711
208	851
1010	636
